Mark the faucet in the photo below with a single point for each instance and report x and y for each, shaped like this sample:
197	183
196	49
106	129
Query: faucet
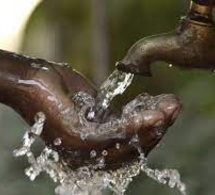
190	45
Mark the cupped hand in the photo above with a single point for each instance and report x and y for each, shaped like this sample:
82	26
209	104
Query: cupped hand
34	85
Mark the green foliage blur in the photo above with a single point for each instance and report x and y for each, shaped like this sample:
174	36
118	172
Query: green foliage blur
62	31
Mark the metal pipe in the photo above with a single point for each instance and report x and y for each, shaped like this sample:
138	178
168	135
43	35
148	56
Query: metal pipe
190	45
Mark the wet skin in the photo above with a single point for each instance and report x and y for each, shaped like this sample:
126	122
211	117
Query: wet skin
33	85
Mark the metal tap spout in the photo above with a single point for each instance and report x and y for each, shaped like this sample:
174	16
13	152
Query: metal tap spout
190	45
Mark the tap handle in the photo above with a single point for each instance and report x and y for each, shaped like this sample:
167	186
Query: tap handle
201	11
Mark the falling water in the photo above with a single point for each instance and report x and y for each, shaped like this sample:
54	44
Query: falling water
115	84
88	179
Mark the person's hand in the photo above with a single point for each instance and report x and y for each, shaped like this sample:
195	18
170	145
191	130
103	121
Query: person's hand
34	85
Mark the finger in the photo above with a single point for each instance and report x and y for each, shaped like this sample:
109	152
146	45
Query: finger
170	106
144	120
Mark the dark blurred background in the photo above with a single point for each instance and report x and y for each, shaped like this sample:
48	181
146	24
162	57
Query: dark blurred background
92	35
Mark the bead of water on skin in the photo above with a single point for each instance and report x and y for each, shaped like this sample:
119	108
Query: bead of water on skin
90	115
117	146
64	64
57	141
35	65
134	139
93	154
44	68
104	152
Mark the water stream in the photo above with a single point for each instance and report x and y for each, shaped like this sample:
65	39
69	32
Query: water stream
115	84
88	180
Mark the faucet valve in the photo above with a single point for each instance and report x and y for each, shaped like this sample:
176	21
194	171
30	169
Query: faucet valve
204	10
201	12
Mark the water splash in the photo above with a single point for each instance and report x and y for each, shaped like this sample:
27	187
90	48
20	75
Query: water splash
88	179
57	141
38	66
83	127
30	136
170	177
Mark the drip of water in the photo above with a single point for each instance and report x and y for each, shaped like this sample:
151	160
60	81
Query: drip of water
57	142
93	154
117	146
38	66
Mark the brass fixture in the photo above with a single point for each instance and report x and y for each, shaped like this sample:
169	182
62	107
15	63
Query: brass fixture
190	45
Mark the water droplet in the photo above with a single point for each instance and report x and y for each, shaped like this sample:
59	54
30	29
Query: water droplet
93	153
170	65
44	68
35	65
84	172
21	152
101	163
31	173
104	152
90	114
31	135
57	141
134	140
64	64
117	146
